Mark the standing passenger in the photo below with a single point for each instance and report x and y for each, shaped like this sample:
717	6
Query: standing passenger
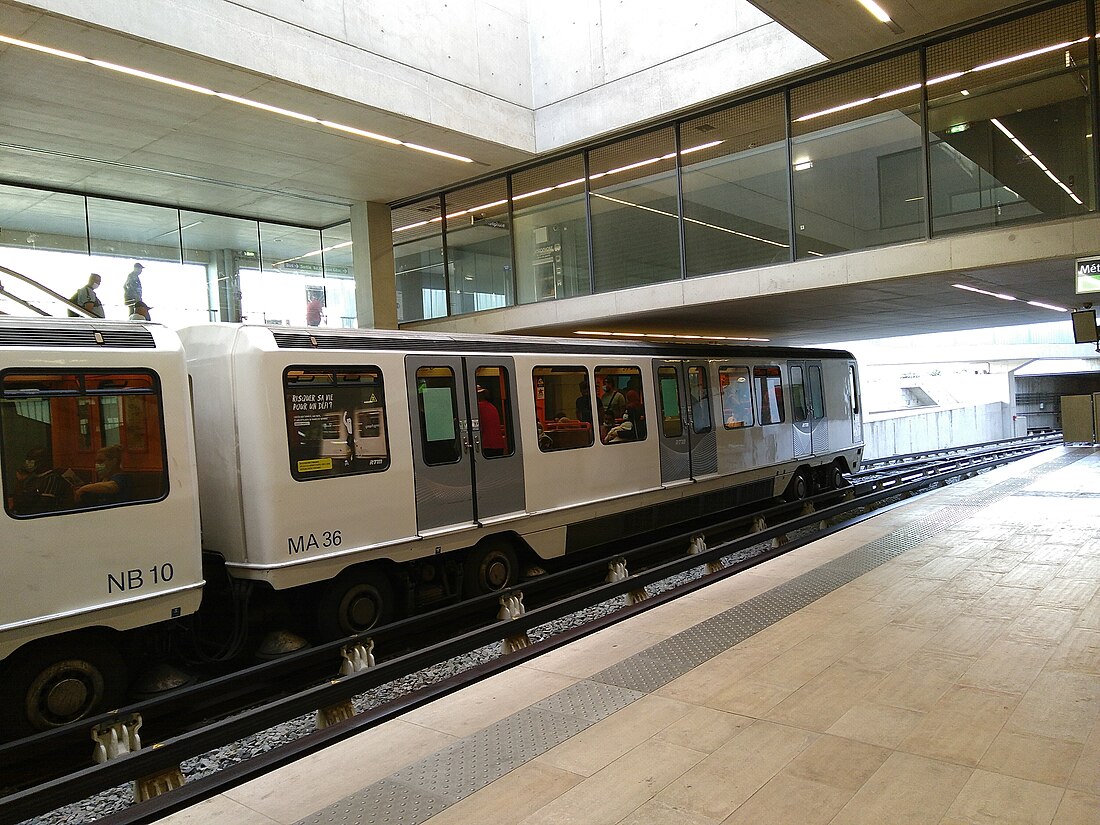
492	439
131	289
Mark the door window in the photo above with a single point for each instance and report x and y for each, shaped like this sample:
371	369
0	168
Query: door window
669	387
798	396
494	412
699	392
437	407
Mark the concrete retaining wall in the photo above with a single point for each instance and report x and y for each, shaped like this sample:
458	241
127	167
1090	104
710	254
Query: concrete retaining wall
915	432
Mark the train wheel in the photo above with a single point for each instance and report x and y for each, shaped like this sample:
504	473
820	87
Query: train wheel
355	601
836	477
49	685
799	487
489	568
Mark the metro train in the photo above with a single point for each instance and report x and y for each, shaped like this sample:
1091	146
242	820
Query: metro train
165	492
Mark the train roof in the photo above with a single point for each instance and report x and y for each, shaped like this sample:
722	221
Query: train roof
55	333
314	338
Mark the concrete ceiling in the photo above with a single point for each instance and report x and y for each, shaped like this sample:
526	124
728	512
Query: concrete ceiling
896	307
77	127
840	29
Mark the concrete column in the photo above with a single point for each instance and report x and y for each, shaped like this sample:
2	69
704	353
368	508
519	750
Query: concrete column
372	257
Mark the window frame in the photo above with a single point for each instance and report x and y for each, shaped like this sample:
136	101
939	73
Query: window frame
545	436
723	370
632	371
765	371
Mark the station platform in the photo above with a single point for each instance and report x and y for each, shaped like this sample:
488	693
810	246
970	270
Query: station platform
938	663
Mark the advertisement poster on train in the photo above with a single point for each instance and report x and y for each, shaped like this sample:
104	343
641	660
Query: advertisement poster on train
336	430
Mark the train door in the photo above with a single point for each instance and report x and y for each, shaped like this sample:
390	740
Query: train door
463	472
854	405
688	446
811	432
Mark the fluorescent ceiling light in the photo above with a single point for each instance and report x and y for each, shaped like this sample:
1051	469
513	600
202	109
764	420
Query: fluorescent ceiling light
802	165
1001	295
1031	156
243	101
1047	306
876	10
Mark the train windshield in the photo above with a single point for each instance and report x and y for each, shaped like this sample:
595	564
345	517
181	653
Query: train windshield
80	440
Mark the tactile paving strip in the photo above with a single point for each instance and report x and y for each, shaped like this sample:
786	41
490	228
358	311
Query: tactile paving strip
424	788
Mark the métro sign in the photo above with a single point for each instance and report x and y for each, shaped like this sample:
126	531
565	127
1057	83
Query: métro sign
1088	275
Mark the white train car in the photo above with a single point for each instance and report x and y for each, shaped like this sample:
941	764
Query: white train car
345	477
498	452
101	520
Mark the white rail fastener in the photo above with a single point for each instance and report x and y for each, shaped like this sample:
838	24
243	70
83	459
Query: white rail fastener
115	739
353	659
699	545
511	608
617	572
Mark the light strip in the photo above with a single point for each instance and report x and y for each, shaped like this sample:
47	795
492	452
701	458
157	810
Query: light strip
243	101
875	10
1003	296
665	336
1031	156
1047	306
690	220
314	253
1045	50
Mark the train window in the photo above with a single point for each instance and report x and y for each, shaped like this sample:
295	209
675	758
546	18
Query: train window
621	404
494	412
557	391
769	394
80	440
699	390
736	389
336	421
668	385
437	406
853	389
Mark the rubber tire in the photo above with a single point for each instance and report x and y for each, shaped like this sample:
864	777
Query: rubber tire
358	600
489	568
799	488
89	668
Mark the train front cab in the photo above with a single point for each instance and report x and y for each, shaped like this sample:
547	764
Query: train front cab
94	550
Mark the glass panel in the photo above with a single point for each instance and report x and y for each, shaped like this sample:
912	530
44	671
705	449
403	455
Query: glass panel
669	385
223	252
817	400
622	407
551	231
856	150
736	213
338	307
494	412
699	390
635	219
437	405
736	389
558	389
289	288
43	235
139	257
769	394
80	440
1010	124
798	395
479	247
418	260
853	388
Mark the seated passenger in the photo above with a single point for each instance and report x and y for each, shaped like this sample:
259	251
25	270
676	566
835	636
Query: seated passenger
623	431
39	488
112	485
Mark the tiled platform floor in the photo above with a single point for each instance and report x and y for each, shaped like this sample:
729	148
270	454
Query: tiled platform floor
956	682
